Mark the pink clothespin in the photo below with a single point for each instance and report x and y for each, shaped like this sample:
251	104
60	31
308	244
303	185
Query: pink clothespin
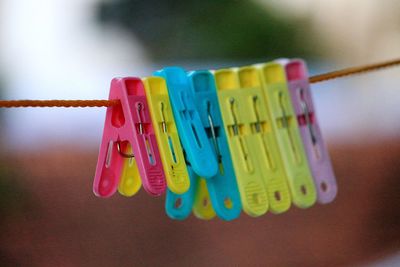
317	153
128	124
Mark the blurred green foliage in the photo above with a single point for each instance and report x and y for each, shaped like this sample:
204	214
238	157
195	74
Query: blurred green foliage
210	29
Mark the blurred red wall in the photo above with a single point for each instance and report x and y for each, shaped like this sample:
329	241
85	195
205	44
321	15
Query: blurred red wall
50	217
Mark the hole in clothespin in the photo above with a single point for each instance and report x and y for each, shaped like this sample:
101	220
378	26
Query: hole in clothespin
165	130
178	203
285	123
109	154
303	190
139	108
235	126
277	195
117	117
324	187
205	202
163	122
245	155
214	135
172	149
256	125
149	151
228	203
196	137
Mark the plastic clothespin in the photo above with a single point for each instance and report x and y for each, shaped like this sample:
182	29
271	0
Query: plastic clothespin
130	182
202	205
285	126
196	199
128	126
235	105
268	150
179	206
222	187
194	139
167	135
317	153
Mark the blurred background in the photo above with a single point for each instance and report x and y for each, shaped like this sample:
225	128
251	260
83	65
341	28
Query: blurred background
54	49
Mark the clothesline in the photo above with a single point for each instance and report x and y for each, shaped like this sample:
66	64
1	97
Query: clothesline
107	103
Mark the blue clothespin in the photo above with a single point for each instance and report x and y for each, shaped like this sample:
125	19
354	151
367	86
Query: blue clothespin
179	206
193	136
222	187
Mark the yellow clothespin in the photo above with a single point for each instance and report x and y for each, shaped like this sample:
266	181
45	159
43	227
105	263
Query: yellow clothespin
284	124
167	135
202	207
130	178
267	149
235	105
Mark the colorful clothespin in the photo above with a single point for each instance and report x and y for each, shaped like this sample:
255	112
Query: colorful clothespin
317	153
179	206
128	126
196	199
167	135
285	126
130	178
191	131
268	150
235	105
222	187
202	205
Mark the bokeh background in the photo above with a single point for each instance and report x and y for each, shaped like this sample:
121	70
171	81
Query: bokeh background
55	49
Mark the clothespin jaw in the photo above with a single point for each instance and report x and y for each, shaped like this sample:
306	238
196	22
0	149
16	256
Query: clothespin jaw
268	149
116	137
285	125
167	135
179	206
130	182
317	153
222	187
144	143
196	199
202	206
191	131
128	126
242	144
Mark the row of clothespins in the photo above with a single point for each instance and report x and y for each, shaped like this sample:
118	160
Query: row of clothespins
217	142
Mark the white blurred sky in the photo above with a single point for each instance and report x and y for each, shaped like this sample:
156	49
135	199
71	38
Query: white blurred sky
51	49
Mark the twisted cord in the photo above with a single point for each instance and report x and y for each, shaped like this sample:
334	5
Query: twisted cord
108	103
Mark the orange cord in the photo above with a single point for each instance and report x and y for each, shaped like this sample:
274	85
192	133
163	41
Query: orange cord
353	70
57	103
109	103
